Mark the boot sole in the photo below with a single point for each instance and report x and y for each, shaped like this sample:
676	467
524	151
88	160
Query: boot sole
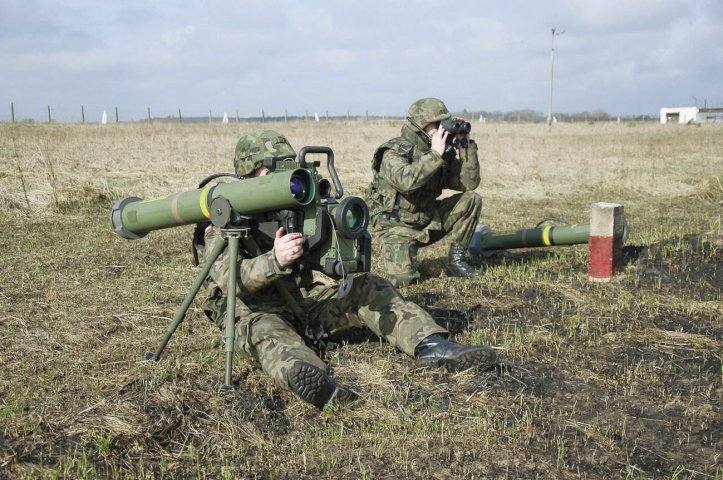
316	387
482	358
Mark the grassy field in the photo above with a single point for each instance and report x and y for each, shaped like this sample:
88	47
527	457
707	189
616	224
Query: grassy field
618	380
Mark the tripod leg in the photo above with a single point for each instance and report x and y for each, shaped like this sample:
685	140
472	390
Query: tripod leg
195	287
230	326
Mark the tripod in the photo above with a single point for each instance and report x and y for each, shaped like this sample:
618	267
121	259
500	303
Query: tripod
230	238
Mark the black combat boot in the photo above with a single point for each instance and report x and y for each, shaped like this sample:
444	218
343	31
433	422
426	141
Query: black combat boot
435	351
314	386
457	266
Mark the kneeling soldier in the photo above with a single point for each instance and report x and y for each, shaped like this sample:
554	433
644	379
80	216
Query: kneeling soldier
410	172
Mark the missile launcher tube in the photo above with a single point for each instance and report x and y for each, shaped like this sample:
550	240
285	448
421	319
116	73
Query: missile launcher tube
485	239
132	217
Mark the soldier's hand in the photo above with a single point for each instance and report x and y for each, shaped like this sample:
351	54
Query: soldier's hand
288	248
439	139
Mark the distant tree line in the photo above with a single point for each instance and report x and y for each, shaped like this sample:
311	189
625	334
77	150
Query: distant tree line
532	116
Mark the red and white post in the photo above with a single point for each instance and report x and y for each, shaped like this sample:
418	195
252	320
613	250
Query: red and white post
606	241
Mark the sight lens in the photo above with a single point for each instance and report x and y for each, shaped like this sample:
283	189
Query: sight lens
353	218
324	188
297	188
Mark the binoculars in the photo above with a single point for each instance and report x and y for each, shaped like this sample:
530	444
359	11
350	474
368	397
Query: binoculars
456	125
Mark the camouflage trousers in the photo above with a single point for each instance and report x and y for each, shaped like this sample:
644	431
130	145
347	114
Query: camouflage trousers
457	216
276	344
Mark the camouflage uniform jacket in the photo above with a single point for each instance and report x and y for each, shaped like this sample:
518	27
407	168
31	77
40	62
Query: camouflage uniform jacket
406	167
255	290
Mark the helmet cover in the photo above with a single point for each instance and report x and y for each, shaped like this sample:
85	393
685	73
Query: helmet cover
251	150
428	110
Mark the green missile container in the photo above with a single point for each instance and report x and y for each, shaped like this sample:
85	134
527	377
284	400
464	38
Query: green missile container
133	218
485	239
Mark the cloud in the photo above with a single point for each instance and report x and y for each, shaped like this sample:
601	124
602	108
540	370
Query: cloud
614	16
59	62
376	55
177	36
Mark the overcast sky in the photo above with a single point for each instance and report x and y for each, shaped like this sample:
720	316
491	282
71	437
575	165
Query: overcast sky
622	56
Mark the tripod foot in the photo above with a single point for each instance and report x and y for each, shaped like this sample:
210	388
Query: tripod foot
151	356
225	389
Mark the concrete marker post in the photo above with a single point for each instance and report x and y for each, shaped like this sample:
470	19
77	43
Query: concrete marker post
606	241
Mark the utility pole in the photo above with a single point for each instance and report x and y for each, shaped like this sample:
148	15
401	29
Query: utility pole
555	33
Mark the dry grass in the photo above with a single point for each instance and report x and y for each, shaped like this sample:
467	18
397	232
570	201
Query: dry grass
598	381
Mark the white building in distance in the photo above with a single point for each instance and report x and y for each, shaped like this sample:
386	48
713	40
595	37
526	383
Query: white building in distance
690	114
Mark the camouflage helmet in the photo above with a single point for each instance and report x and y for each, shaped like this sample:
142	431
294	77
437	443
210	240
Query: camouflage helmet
251	150
428	110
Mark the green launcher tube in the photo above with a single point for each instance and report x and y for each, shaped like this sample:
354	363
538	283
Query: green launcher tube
133	218
485	239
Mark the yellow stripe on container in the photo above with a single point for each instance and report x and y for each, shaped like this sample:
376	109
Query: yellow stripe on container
202	201
546	236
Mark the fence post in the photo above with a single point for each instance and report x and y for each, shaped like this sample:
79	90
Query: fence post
327	116
286	116
306	115
82	114
209	116
263	116
180	118
607	227
237	115
149	115
12	111
49	119
367	115
116	114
